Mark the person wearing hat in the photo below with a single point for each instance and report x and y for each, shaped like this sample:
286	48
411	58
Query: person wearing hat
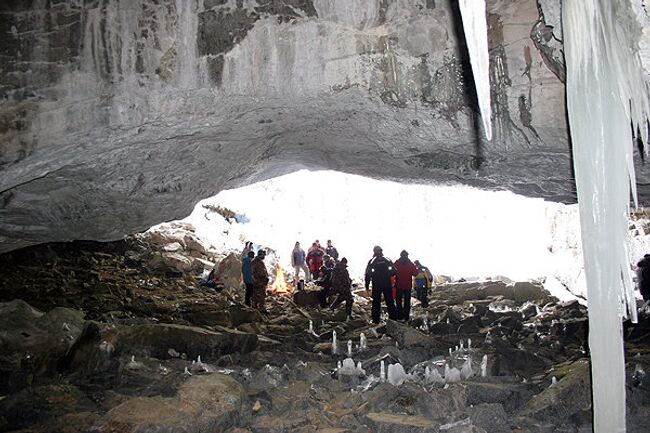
379	272
342	287
405	271
260	280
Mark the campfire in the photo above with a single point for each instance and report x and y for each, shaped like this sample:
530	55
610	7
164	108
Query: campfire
280	286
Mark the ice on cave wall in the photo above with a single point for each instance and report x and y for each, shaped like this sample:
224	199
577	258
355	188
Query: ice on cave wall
605	91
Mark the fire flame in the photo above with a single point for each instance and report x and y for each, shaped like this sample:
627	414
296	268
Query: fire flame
280	285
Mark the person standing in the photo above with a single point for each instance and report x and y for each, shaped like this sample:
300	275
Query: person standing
379	272
315	259
643	277
247	249
342	287
247	276
405	270
298	262
423	282
332	251
260	280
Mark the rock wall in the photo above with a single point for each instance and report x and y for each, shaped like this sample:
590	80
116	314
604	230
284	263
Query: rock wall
119	114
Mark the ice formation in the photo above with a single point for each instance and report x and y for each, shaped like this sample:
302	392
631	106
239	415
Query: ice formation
605	86
433	376
349	348
451	374
475	28
348	368
186	372
466	370
311	327
335	349
484	366
382	371
363	344
397	375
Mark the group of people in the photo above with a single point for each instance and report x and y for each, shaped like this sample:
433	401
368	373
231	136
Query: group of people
312	261
394	282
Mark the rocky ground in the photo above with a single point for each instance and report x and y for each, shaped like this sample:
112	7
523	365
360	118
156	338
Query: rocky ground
118	337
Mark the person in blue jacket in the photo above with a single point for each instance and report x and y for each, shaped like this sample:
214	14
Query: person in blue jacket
247	275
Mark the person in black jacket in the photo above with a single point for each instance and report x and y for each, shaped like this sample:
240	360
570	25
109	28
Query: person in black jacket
379	272
643	277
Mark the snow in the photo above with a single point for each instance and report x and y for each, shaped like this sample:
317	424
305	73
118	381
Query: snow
475	28
454	230
605	92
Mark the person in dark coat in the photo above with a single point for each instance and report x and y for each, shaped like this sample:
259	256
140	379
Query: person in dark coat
247	276
332	251
405	270
342	287
315	259
260	280
643	277
325	280
379	272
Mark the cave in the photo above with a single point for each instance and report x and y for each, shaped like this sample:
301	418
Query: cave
117	116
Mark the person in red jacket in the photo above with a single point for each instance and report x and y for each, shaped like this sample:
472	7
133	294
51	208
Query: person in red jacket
405	270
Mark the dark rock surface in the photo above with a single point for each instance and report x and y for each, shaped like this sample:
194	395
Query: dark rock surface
123	369
118	115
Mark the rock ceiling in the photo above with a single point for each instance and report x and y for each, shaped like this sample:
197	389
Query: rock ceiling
117	115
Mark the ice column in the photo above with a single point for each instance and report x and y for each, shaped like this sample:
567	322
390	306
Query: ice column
311	327
350	348
363	344
605	91
382	371
335	349
475	28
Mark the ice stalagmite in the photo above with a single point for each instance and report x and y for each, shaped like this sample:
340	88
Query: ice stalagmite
475	29
605	91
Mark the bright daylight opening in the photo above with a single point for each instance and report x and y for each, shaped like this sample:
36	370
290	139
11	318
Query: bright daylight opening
458	232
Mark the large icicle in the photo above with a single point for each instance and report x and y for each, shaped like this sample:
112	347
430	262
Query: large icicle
605	90
475	28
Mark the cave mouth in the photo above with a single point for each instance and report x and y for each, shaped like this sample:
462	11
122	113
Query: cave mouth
457	231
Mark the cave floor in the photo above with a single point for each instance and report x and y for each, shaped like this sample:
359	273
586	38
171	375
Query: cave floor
95	339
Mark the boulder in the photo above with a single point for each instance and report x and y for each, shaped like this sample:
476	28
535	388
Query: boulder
408	337
306	298
178	262
511	396
564	399
204	404
229	270
32	343
100	344
491	417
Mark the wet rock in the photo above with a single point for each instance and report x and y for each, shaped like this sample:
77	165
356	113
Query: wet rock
204	403
564	399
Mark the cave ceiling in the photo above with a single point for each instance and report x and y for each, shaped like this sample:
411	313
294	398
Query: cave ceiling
117	115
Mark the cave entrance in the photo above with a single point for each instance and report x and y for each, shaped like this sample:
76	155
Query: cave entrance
459	232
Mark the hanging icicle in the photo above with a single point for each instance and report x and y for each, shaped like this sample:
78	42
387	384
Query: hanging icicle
475	28
605	91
